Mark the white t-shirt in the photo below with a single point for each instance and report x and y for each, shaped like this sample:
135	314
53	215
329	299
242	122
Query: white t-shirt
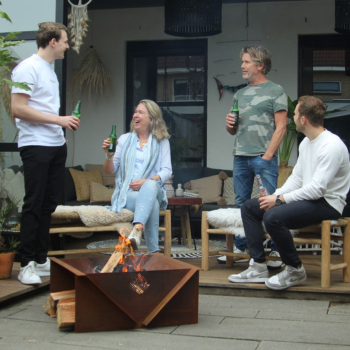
44	97
322	170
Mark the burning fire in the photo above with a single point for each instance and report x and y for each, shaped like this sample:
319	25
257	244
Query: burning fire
124	245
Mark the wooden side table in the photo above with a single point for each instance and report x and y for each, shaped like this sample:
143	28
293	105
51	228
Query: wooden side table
183	205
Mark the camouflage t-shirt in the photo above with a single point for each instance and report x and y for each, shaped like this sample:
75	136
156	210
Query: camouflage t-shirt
257	105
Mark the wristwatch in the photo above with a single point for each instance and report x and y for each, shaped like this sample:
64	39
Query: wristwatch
278	201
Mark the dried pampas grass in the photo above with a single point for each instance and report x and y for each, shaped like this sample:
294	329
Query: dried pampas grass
6	90
91	75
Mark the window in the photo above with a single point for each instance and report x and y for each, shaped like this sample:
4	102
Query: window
329	87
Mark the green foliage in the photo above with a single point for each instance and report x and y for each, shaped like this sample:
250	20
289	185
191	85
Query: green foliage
291	135
6	209
12	243
6	57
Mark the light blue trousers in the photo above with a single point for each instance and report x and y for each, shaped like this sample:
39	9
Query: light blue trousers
145	205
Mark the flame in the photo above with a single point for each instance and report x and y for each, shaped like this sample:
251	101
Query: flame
124	245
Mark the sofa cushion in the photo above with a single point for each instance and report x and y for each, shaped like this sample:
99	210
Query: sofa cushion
69	188
107	179
82	182
229	194
100	193
211	171
183	175
209	188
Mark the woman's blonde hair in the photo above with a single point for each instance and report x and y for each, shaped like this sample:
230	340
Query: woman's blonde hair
158	126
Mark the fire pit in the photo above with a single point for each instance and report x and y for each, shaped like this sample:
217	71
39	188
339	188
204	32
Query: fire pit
163	292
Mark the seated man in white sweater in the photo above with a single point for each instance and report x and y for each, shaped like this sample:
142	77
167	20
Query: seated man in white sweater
315	191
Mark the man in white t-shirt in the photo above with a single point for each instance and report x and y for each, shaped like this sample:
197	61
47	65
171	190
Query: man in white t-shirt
42	147
315	191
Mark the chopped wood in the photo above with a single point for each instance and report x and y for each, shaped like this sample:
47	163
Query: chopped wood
112	262
65	314
49	309
55	297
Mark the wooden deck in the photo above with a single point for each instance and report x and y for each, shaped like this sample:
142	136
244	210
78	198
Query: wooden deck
215	280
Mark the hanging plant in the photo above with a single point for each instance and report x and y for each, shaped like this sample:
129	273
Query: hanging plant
91	76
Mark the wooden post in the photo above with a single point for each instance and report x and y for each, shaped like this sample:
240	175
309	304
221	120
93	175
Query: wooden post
326	254
346	252
205	242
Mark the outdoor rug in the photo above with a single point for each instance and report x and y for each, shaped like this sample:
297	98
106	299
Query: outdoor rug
178	251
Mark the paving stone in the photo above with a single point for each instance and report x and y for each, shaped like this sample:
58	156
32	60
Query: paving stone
274	330
339	309
13	331
249	307
277	315
269	345
33	313
153	341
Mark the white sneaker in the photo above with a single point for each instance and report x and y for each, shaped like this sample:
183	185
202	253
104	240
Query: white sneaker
27	274
135	237
222	259
257	273
43	270
275	264
289	277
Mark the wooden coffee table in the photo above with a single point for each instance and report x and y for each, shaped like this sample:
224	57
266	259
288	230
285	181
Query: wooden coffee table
183	206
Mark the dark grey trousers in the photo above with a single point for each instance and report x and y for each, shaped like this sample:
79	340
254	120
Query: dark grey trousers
278	221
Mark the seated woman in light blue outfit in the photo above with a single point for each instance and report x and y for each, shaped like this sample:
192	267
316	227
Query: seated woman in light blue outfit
142	163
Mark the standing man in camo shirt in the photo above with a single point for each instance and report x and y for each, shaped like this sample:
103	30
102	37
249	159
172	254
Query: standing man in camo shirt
262	124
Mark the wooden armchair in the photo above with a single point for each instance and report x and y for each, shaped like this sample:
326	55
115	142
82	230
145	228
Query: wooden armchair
317	234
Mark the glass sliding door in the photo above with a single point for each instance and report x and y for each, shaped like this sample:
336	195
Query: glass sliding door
173	73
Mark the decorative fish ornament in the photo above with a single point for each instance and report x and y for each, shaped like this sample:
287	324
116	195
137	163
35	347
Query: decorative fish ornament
221	87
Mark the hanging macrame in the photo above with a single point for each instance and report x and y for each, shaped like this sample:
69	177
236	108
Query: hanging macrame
78	26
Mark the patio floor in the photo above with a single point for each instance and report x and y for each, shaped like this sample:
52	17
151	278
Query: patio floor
215	280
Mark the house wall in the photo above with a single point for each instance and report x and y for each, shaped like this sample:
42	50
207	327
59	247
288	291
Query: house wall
275	25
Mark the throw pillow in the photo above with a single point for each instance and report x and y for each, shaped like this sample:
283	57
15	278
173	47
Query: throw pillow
82	182
100	193
229	194
209	188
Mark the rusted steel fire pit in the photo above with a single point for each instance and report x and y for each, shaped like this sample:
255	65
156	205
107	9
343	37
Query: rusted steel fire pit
163	293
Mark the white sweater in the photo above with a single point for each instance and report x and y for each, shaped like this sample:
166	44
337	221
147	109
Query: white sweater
322	170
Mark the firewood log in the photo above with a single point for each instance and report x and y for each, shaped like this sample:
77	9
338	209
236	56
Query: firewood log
112	262
66	313
55	297
49	309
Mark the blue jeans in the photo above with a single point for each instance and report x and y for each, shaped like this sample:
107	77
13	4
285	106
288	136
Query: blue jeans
145	205
278	221
244	171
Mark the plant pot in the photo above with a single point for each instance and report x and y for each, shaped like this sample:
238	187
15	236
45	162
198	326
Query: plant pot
283	173
6	264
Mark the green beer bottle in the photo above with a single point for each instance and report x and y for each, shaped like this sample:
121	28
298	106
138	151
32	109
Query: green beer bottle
76	112
235	112
113	140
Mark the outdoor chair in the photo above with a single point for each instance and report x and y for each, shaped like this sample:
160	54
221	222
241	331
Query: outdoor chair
320	234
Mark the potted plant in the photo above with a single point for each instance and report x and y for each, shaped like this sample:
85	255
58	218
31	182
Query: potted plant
285	149
8	246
